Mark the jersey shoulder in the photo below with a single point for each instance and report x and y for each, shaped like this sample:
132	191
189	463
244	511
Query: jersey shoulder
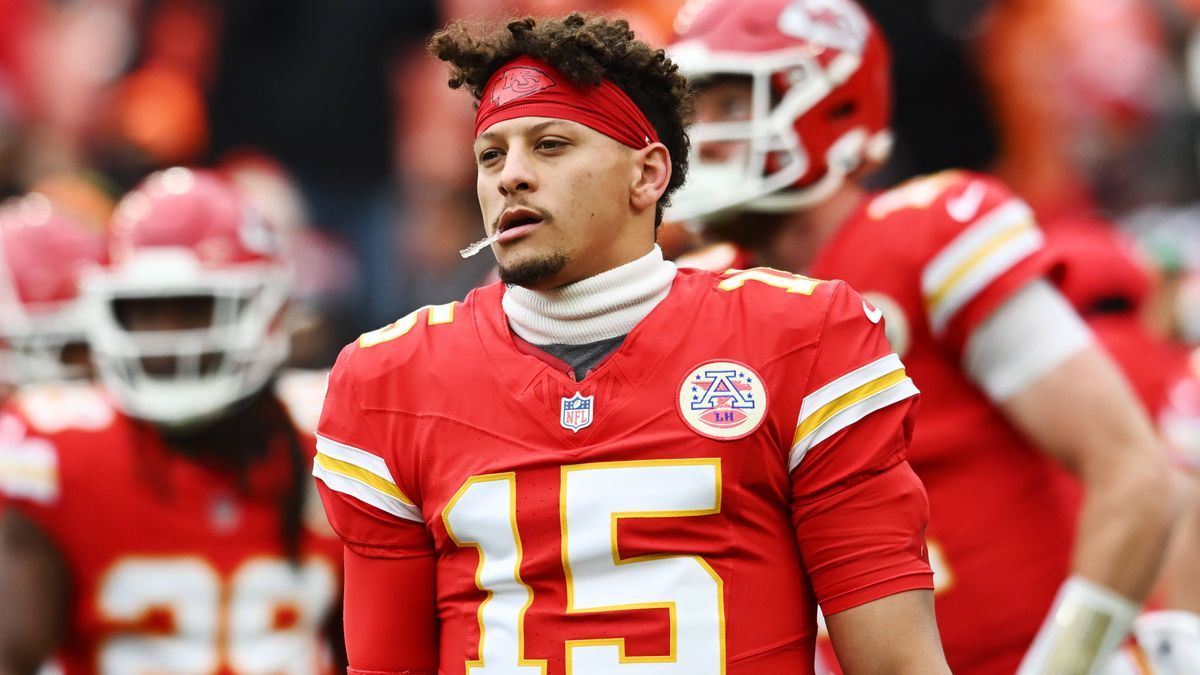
958	213
932	226
784	309
49	432
951	245
949	200
431	337
54	409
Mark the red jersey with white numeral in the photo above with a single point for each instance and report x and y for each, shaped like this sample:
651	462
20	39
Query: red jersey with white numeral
938	255
174	566
739	457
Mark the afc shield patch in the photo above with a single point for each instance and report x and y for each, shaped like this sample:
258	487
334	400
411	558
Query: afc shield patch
577	412
723	400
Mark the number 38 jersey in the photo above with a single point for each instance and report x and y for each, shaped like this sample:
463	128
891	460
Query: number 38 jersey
174	567
679	510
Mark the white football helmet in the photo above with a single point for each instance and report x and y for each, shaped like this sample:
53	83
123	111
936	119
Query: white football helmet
43	254
820	101
186	237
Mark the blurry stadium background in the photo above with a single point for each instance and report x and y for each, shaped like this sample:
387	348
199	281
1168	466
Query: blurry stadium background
332	117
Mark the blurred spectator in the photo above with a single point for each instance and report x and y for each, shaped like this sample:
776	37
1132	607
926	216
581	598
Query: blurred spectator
1077	85
307	81
130	86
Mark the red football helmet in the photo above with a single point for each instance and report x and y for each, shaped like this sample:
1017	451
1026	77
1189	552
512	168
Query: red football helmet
43	254
183	235
820	101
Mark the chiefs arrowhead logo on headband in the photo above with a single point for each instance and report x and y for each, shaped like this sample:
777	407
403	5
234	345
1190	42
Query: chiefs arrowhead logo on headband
530	87
520	81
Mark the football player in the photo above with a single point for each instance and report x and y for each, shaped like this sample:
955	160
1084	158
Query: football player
600	464
1021	409
157	523
43	255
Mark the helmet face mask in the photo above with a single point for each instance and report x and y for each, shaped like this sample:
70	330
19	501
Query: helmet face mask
819	97
50	345
188	320
43	254
764	154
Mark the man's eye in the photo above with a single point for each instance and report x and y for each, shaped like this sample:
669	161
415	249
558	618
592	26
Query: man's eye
550	144
488	156
736	109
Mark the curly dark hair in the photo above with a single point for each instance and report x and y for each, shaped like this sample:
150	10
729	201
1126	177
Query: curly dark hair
585	48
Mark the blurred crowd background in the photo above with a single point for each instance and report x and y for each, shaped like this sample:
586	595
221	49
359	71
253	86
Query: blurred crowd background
332	117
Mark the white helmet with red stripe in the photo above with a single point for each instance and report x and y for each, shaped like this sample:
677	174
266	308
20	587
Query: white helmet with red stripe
820	103
187	238
43	255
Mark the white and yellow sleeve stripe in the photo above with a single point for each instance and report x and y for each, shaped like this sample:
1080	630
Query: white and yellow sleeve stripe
847	400
976	257
361	475
29	471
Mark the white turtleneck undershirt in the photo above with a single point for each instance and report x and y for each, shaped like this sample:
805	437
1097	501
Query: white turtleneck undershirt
601	307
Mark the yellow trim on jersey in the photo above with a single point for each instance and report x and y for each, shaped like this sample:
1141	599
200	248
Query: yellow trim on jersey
981	253
29	471
848	399
614	518
363	476
966	266
845	401
436	316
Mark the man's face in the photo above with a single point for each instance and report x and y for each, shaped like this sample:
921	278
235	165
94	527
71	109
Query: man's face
723	99
560	192
174	313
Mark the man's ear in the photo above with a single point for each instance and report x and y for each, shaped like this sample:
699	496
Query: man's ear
651	173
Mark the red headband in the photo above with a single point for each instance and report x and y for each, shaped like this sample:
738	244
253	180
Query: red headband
529	87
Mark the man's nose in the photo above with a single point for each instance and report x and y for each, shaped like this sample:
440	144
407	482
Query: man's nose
518	174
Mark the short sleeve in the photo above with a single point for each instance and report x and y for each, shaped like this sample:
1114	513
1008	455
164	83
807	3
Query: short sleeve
363	501
853	375
986	247
858	509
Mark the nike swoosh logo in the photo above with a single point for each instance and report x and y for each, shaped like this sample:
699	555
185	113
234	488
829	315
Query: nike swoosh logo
873	315
965	207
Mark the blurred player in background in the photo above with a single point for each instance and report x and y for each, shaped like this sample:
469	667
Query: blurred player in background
160	522
594	466
43	255
794	108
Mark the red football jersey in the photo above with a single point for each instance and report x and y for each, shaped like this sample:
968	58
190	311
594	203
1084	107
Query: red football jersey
174	568
739	457
938	255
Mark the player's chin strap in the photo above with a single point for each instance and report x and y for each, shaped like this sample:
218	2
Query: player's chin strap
1083	629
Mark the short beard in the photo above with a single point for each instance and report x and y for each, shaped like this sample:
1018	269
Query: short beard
532	272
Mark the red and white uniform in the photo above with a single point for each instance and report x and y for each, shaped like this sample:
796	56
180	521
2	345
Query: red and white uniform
173	568
938	255
682	508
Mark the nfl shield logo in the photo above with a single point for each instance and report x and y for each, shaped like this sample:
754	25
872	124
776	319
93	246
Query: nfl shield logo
576	412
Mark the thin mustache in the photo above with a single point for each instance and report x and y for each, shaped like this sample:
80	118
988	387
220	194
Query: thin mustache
542	213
